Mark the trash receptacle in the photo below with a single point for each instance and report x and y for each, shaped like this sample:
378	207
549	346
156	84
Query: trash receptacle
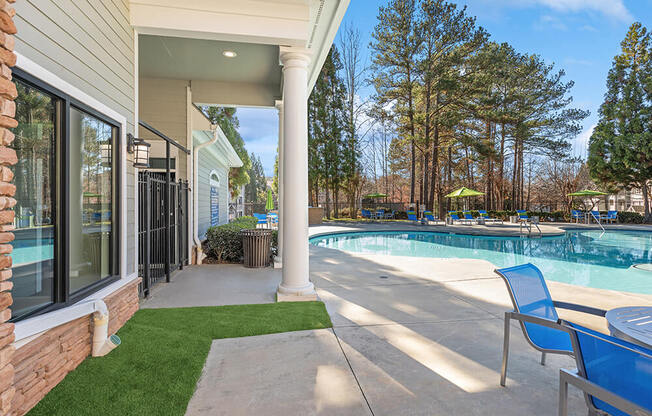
256	245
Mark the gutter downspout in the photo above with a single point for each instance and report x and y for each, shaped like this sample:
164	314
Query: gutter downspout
195	194
102	343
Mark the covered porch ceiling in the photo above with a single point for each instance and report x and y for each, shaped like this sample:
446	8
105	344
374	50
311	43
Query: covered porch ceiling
186	40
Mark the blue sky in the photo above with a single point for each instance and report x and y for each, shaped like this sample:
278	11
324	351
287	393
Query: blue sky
579	36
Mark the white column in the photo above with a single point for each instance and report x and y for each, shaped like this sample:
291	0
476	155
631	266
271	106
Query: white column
296	284
278	261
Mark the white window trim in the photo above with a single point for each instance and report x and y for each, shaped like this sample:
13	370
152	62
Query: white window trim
52	319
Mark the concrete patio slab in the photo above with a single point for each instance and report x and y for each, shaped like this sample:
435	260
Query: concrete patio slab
452	368
215	285
294	373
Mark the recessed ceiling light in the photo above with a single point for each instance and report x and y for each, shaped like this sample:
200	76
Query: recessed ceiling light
229	54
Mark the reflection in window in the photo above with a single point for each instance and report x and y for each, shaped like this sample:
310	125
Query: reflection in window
91	200
36	134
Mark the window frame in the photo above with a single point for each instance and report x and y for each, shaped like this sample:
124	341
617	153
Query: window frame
61	280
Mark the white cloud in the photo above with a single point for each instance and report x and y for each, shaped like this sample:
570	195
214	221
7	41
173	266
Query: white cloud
581	142
550	22
612	8
259	129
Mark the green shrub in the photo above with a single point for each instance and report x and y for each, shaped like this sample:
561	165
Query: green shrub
224	243
400	215
630	218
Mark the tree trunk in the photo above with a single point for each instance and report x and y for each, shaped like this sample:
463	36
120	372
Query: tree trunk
501	172
646	201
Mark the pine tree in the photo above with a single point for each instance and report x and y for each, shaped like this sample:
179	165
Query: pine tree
620	148
396	42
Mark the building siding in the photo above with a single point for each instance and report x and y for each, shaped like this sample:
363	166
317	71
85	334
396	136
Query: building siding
89	44
163	104
208	163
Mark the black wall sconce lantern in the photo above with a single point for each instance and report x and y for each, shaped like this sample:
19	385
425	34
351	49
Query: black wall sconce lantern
140	149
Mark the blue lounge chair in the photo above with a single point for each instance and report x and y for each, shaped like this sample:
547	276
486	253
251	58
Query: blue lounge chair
262	218
536	312
522	215
365	213
615	375
578	215
412	216
429	216
380	214
596	216
611	216
272	217
486	218
455	217
469	217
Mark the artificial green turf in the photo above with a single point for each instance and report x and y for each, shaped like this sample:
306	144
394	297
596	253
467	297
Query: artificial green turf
155	370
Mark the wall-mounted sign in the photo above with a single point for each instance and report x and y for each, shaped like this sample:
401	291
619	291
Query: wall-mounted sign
215	199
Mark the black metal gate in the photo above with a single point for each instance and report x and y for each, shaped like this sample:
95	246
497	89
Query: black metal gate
152	228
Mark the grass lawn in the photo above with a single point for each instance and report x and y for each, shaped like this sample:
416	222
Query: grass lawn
155	370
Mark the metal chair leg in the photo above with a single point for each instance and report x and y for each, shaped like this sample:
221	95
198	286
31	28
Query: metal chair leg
563	397
503	369
543	358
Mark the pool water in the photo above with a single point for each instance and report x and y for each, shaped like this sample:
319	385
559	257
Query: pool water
32	251
584	258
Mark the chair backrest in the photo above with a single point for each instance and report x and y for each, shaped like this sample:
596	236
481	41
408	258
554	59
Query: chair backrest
453	215
483	213
618	366
412	215
575	213
612	214
522	214
596	213
380	211
530	296
262	218
428	215
467	215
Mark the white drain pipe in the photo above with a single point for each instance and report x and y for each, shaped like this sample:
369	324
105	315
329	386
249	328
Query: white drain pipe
102	343
195	194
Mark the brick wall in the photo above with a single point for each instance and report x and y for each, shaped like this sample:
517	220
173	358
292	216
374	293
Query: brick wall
7	190
43	362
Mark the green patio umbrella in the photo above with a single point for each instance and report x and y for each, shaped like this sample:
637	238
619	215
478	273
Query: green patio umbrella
376	195
464	192
588	193
269	205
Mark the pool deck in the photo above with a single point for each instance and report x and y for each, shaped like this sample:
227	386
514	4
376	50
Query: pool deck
417	336
501	230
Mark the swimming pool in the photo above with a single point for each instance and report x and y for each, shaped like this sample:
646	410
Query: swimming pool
584	258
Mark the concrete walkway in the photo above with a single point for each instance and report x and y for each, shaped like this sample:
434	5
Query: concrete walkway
411	336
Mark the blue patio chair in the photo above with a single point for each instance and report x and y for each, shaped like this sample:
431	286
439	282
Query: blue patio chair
390	215
412	216
611	216
615	375
578	215
468	217
380	214
536	312
455	217
262	218
273	217
596	216
365	213
522	215
429	216
486	218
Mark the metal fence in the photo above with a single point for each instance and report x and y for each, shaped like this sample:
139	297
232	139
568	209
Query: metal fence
154	259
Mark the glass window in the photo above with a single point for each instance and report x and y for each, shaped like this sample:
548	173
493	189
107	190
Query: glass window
90	187
34	174
66	241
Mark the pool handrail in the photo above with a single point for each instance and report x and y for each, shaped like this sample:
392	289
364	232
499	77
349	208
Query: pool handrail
536	313
612	373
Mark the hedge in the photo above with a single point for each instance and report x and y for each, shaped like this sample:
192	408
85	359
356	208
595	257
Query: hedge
630	218
224	243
